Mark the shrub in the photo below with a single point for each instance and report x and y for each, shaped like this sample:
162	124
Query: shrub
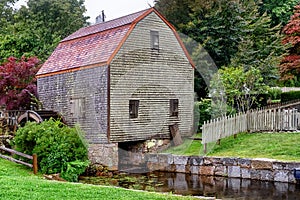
289	96
275	93
204	107
58	147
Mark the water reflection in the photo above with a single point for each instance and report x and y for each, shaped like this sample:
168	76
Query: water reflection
219	187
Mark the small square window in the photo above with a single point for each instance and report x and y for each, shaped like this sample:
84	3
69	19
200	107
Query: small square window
154	40
174	107
133	108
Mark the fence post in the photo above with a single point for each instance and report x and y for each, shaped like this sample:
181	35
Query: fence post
205	148
34	163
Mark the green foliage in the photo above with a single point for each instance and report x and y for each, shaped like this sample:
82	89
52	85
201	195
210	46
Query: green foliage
199	85
289	96
6	13
290	81
234	33
207	111
279	10
177	12
216	26
275	93
204	106
37	28
242	87
260	46
71	170
57	146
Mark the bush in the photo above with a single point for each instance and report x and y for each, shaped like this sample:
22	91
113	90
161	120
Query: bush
261	101
289	96
205	111
60	149
204	107
275	93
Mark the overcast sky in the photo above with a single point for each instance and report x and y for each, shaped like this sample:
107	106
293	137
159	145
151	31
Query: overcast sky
112	8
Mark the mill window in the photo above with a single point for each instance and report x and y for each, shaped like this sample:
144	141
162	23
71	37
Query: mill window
174	107
133	108
154	40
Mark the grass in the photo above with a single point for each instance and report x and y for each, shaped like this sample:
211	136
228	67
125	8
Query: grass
189	148
18	182
279	146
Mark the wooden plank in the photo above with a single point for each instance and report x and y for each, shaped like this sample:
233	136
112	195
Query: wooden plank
15	160
16	152
174	129
253	121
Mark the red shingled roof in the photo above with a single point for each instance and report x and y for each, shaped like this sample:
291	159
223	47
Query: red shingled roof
105	25
90	45
95	45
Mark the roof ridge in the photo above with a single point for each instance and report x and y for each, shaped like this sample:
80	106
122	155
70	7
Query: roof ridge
118	18
103	26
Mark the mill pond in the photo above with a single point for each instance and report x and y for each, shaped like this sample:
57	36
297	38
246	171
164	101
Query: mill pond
194	185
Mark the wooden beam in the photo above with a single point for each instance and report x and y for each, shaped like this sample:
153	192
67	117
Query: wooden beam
16	152
34	164
16	161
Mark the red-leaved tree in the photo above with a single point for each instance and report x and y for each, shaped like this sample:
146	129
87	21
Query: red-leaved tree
290	65
18	82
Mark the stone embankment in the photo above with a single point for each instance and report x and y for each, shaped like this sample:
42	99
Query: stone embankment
257	169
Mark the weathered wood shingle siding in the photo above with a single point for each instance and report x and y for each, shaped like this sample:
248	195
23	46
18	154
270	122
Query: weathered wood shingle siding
56	92
153	77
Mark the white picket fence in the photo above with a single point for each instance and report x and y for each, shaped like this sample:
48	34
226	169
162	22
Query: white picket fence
253	121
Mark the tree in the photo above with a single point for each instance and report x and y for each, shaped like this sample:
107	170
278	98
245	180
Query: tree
233	33
17	82
279	10
260	45
38	27
176	11
216	26
241	87
213	25
290	65
6	13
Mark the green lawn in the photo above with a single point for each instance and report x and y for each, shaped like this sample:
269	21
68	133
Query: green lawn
18	182
279	146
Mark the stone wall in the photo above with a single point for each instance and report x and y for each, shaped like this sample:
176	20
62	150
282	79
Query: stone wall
132	154
104	154
257	169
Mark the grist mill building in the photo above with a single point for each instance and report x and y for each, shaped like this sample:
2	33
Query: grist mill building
123	81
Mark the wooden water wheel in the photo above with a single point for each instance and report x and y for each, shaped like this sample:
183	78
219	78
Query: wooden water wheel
37	116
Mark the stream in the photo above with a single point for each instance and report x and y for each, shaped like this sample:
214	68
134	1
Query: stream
194	185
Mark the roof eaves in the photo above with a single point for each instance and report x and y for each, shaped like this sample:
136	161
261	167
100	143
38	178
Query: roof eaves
102	64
